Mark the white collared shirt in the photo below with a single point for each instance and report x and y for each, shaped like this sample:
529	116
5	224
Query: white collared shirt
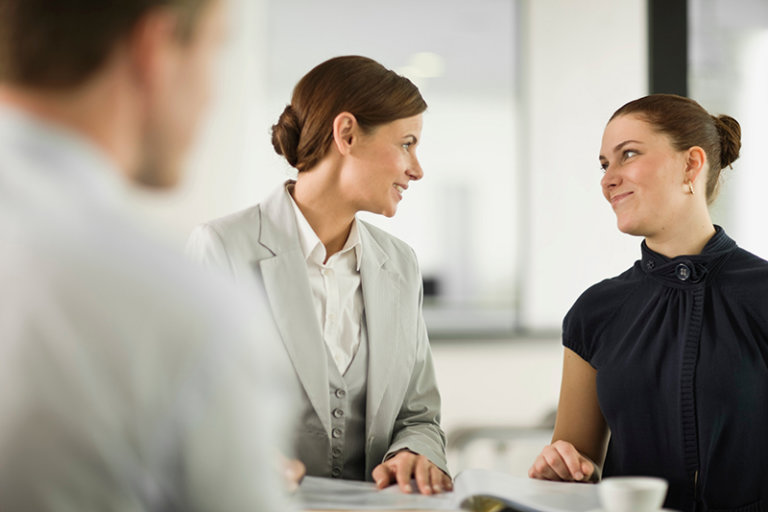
336	290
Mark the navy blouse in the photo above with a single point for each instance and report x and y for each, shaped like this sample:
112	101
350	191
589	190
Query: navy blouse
681	352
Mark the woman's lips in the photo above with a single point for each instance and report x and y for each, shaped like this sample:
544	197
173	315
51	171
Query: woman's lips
399	189
615	200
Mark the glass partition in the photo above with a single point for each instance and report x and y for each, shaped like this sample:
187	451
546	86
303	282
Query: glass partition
728	73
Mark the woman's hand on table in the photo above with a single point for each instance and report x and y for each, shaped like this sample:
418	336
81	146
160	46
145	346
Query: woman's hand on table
406	465
561	461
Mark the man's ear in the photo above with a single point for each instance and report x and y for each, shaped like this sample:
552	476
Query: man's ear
696	161
152	46
345	132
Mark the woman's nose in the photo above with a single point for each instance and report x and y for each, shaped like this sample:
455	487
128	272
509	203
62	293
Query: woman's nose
415	171
610	178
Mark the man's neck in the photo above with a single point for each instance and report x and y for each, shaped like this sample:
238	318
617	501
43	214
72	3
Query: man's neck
92	111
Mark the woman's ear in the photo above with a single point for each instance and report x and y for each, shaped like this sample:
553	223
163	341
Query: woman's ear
345	132
696	161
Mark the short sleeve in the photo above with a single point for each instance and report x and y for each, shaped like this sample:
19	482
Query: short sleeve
586	325
575	336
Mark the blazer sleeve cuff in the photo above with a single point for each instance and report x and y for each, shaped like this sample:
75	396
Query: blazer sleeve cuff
435	455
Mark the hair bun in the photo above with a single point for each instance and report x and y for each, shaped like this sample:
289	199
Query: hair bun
730	139
285	135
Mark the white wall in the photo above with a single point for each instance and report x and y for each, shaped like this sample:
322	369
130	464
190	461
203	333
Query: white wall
728	74
750	176
584	60
497	383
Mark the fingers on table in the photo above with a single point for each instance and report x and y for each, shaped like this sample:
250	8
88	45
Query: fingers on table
429	478
407	466
440	481
382	475
404	469
561	461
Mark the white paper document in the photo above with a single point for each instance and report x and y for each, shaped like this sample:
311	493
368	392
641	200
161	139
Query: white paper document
328	493
519	493
525	494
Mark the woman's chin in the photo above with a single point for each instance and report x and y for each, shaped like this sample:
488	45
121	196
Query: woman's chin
389	211
628	227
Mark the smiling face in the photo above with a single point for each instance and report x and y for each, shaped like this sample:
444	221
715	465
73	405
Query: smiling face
382	164
645	177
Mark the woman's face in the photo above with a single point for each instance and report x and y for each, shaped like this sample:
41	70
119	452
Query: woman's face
382	164
644	177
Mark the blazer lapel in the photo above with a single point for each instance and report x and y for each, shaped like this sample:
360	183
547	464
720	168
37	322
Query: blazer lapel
290	297
381	290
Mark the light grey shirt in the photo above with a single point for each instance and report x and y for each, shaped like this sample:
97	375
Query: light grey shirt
129	380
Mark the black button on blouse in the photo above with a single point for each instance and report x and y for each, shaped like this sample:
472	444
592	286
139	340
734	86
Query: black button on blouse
681	352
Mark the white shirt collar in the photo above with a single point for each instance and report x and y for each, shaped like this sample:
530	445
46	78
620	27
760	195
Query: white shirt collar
311	245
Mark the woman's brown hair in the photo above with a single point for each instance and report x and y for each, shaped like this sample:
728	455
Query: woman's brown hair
687	124
361	86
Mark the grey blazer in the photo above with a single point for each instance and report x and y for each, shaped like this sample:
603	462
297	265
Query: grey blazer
261	243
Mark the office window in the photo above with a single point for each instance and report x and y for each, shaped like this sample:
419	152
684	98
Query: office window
728	73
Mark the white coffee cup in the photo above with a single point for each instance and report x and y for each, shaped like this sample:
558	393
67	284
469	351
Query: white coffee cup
632	493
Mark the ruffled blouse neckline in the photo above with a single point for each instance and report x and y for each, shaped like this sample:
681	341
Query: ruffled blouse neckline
688	269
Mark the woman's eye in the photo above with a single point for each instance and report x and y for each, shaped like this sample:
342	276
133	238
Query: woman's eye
629	153
407	145
604	166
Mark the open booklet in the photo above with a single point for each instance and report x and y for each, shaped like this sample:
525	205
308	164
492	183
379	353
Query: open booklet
477	489
474	489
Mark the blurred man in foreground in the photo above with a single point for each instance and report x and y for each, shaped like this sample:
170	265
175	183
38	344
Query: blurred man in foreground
128	381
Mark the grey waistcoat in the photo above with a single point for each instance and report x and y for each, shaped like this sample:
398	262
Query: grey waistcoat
347	395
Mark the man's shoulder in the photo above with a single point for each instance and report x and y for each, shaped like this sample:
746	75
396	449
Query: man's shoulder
143	283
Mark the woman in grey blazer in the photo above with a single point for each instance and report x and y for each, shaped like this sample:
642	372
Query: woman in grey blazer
346	296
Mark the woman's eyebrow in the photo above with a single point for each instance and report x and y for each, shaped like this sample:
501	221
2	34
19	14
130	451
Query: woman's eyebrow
621	145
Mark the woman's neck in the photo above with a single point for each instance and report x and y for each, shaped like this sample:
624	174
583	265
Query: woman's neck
688	239
319	198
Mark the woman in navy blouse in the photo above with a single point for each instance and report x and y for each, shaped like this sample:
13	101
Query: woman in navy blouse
666	365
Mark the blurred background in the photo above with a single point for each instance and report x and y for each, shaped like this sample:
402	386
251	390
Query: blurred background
509	222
